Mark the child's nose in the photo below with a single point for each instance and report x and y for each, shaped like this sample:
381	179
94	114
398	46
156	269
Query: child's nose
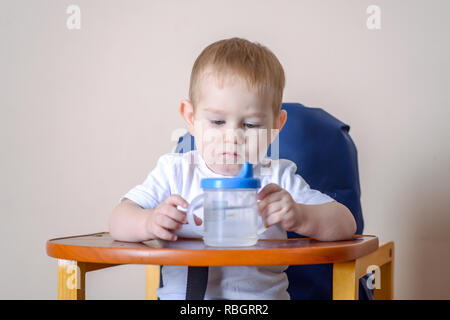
234	135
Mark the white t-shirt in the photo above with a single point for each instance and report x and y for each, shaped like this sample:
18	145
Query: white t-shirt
181	173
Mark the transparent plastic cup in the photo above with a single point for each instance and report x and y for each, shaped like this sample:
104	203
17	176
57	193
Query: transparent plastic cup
230	217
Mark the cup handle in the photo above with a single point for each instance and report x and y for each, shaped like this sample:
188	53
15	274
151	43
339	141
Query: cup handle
262	229
198	200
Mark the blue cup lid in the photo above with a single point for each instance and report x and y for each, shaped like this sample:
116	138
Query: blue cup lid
244	180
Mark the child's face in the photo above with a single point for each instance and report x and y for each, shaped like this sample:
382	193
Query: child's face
231	124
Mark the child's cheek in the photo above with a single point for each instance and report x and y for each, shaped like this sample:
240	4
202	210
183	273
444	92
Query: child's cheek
209	143
203	139
256	145
208	152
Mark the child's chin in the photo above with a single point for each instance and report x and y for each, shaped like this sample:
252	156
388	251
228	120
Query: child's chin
227	169
231	162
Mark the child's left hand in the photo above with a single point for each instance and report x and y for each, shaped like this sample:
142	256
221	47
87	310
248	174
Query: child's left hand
277	206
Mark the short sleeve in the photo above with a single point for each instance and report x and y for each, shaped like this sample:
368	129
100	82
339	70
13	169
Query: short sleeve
156	187
299	188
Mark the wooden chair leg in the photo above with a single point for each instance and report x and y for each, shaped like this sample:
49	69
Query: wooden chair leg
346	275
152	274
386	291
345	281
71	280
381	261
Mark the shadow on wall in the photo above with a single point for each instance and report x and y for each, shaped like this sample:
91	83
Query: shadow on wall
428	243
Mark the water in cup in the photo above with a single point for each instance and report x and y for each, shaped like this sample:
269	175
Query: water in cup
231	226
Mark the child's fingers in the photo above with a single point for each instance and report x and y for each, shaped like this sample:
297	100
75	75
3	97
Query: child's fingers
164	234
198	221
168	223
176	200
273	218
273	197
271	187
175	214
271	209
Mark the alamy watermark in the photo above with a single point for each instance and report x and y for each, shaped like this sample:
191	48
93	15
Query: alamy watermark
374	19
233	146
73	21
374	279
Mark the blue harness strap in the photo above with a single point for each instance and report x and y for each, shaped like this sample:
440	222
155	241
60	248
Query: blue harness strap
197	279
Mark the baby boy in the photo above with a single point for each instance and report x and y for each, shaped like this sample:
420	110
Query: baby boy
234	113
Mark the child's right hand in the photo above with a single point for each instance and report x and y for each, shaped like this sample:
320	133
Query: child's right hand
166	217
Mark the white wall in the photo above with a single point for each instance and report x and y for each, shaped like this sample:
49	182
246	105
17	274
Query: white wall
86	113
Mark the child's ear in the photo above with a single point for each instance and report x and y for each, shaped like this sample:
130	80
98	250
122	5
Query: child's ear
282	117
280	120
187	112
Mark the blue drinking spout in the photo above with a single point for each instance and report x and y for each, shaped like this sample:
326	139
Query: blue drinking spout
246	171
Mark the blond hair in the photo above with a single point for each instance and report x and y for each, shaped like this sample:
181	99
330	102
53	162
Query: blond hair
250	61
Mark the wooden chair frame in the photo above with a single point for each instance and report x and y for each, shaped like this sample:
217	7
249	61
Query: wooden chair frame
346	275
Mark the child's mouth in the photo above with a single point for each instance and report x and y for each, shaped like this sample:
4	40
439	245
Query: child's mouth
230	155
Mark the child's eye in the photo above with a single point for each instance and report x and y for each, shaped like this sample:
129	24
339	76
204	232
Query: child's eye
217	122
251	125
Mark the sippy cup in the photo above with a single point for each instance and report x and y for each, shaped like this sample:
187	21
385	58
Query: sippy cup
230	212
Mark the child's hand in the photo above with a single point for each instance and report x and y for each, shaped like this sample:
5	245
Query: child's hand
277	206
166	218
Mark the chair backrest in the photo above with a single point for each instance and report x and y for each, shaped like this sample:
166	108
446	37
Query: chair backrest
326	158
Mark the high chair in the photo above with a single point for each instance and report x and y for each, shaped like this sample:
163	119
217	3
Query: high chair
326	158
351	259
